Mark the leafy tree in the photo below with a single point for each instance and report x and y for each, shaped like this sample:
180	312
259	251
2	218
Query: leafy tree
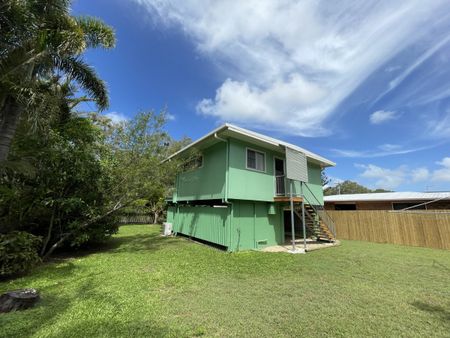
18	252
324	178
349	187
83	170
66	191
40	39
137	149
381	190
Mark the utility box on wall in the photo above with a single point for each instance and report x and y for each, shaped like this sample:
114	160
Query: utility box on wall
272	210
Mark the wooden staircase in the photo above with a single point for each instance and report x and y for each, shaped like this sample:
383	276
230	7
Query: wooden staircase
314	224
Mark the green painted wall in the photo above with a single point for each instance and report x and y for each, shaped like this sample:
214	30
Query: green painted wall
260	186
171	211
207	182
249	184
246	224
207	223
242	226
253	228
314	184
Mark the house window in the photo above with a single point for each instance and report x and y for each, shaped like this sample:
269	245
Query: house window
193	163
256	160
404	205
345	207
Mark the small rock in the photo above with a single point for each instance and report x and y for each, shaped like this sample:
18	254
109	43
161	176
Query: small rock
18	300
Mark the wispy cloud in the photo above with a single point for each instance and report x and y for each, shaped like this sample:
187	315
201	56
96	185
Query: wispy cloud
391	69
439	127
418	62
381	151
289	63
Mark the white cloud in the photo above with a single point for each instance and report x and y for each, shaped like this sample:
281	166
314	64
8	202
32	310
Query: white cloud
170	117
442	174
381	116
420	174
290	63
238	101
383	177
333	181
392	178
116	117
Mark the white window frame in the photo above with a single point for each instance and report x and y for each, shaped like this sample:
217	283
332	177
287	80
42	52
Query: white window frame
275	175
256	151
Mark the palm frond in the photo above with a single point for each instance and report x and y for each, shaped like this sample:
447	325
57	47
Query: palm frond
96	32
56	8
86	76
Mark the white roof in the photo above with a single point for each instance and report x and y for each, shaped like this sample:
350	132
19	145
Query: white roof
232	129
388	196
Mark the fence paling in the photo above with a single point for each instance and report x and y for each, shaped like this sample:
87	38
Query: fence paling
429	229
135	219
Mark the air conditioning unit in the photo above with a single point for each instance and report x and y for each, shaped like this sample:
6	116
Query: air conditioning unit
167	229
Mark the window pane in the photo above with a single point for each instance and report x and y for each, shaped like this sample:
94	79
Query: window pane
199	162
255	160
260	163
193	163
251	159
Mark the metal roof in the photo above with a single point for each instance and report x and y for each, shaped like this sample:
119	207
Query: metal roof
232	130
388	196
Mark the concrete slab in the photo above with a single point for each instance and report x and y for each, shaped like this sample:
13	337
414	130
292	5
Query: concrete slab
311	245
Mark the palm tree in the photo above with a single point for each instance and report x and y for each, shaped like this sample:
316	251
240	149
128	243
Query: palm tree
38	40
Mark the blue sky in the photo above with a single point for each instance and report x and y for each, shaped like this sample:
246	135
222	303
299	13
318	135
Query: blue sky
363	83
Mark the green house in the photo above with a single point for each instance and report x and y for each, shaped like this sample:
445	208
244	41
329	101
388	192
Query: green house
234	191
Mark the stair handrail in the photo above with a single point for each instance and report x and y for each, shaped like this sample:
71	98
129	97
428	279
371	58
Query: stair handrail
322	214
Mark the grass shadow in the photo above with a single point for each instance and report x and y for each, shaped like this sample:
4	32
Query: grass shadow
139	243
46	311
105	328
435	310
123	243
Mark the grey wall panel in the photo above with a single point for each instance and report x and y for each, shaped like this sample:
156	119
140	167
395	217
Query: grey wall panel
296	165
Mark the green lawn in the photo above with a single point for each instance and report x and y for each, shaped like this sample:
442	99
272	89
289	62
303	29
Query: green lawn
144	285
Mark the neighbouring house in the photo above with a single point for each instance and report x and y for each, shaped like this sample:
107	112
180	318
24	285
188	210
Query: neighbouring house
389	201
234	191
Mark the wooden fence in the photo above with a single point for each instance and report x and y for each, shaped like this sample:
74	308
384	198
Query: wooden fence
135	219
428	228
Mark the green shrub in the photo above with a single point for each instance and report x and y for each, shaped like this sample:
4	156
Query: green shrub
18	252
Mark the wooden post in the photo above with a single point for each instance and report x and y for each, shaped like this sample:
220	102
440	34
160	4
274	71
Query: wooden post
292	215
303	215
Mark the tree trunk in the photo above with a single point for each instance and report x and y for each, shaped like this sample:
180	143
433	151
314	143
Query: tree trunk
49	234
18	300
117	207
10	119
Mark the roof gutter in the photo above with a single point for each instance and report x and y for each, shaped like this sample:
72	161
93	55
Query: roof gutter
195	142
261	138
